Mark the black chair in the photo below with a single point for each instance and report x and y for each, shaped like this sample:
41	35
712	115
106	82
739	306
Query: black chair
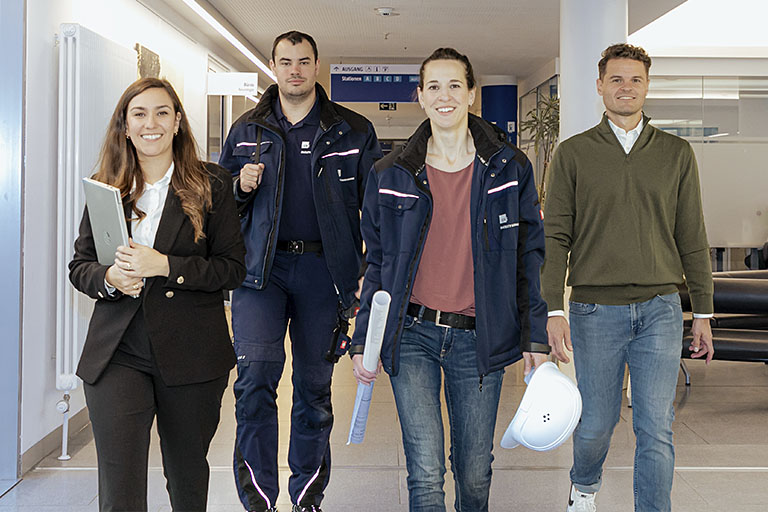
730	345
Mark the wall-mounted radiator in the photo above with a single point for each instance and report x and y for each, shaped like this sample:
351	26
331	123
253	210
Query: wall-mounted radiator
93	73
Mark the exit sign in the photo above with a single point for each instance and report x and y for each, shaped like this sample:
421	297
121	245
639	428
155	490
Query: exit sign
387	106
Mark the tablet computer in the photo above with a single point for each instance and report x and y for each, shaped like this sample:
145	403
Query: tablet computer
105	210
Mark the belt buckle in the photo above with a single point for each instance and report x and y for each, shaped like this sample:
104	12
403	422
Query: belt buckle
437	319
296	246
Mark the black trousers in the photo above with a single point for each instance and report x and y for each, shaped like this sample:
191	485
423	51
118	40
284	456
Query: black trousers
122	405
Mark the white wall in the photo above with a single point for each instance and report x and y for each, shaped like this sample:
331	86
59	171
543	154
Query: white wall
185	62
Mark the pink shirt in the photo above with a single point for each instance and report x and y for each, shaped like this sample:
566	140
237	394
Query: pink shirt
445	278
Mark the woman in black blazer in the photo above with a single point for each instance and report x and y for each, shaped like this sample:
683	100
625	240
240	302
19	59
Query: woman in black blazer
158	344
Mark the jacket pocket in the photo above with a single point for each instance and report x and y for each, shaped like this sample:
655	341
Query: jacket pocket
247	152
396	201
502	217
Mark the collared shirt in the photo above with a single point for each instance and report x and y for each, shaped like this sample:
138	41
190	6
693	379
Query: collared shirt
151	202
627	139
298	218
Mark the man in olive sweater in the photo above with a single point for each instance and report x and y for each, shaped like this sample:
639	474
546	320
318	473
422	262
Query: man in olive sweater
623	199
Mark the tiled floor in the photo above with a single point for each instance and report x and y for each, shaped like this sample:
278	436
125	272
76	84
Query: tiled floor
721	437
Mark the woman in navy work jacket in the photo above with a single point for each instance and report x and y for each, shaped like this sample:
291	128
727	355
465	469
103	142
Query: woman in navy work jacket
454	233
158	343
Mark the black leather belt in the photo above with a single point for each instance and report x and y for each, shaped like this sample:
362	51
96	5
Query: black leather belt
299	246
442	318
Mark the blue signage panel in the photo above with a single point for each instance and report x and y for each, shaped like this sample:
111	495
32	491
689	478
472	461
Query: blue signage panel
374	83
500	108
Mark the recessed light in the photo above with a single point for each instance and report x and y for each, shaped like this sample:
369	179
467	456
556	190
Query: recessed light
386	11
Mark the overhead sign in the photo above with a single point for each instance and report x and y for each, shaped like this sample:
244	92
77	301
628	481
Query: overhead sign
374	83
233	84
387	106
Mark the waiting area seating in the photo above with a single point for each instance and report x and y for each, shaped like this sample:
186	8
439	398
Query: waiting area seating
740	324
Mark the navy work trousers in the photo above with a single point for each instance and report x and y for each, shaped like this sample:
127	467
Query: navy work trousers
300	296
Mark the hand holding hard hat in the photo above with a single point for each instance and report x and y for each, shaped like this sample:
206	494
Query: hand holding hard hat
548	413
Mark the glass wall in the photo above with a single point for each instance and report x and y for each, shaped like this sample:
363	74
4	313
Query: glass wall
528	103
222	109
215	122
726	121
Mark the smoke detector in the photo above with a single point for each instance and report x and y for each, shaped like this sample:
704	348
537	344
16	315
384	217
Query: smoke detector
386	11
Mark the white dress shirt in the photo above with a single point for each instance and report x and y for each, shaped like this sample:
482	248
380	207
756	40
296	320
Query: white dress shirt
151	202
627	139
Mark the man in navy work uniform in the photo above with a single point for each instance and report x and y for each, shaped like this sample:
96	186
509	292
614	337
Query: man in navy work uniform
300	164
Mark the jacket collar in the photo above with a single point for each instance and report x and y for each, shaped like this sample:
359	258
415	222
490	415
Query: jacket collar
487	138
260	114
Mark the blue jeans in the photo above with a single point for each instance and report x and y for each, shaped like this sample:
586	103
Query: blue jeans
427	353
647	336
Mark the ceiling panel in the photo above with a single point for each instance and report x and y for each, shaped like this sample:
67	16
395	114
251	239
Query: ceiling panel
501	37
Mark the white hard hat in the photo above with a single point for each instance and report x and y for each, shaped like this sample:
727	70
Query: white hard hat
548	412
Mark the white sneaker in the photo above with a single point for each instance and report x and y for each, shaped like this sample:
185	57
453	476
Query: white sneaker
581	501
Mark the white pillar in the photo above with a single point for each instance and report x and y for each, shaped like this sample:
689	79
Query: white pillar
587	27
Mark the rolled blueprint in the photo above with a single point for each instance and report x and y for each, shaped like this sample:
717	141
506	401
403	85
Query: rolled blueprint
377	321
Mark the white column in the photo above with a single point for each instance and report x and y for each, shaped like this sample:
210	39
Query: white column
587	27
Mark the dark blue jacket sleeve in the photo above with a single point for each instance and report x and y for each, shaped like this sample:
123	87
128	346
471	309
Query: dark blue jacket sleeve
532	309
369	225
371	153
229	161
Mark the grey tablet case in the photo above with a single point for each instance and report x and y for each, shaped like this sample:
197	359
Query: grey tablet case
105	210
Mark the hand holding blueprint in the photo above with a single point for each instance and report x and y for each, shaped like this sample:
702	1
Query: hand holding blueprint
377	321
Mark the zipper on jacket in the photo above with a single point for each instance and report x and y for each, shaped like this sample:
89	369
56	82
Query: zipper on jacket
411	271
271	241
481	382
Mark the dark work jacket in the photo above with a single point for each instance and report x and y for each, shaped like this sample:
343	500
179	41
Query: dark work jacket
183	313
343	151
507	246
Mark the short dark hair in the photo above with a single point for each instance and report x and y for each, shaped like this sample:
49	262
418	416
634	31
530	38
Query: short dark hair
449	54
295	37
623	51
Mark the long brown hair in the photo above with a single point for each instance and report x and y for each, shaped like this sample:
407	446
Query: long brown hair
119	163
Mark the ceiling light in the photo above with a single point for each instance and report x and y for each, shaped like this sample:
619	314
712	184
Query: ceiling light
386	11
230	37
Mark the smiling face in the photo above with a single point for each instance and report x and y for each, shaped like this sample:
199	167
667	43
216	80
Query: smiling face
446	98
623	87
151	123
296	69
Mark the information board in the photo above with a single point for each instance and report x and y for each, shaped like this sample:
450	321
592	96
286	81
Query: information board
374	83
